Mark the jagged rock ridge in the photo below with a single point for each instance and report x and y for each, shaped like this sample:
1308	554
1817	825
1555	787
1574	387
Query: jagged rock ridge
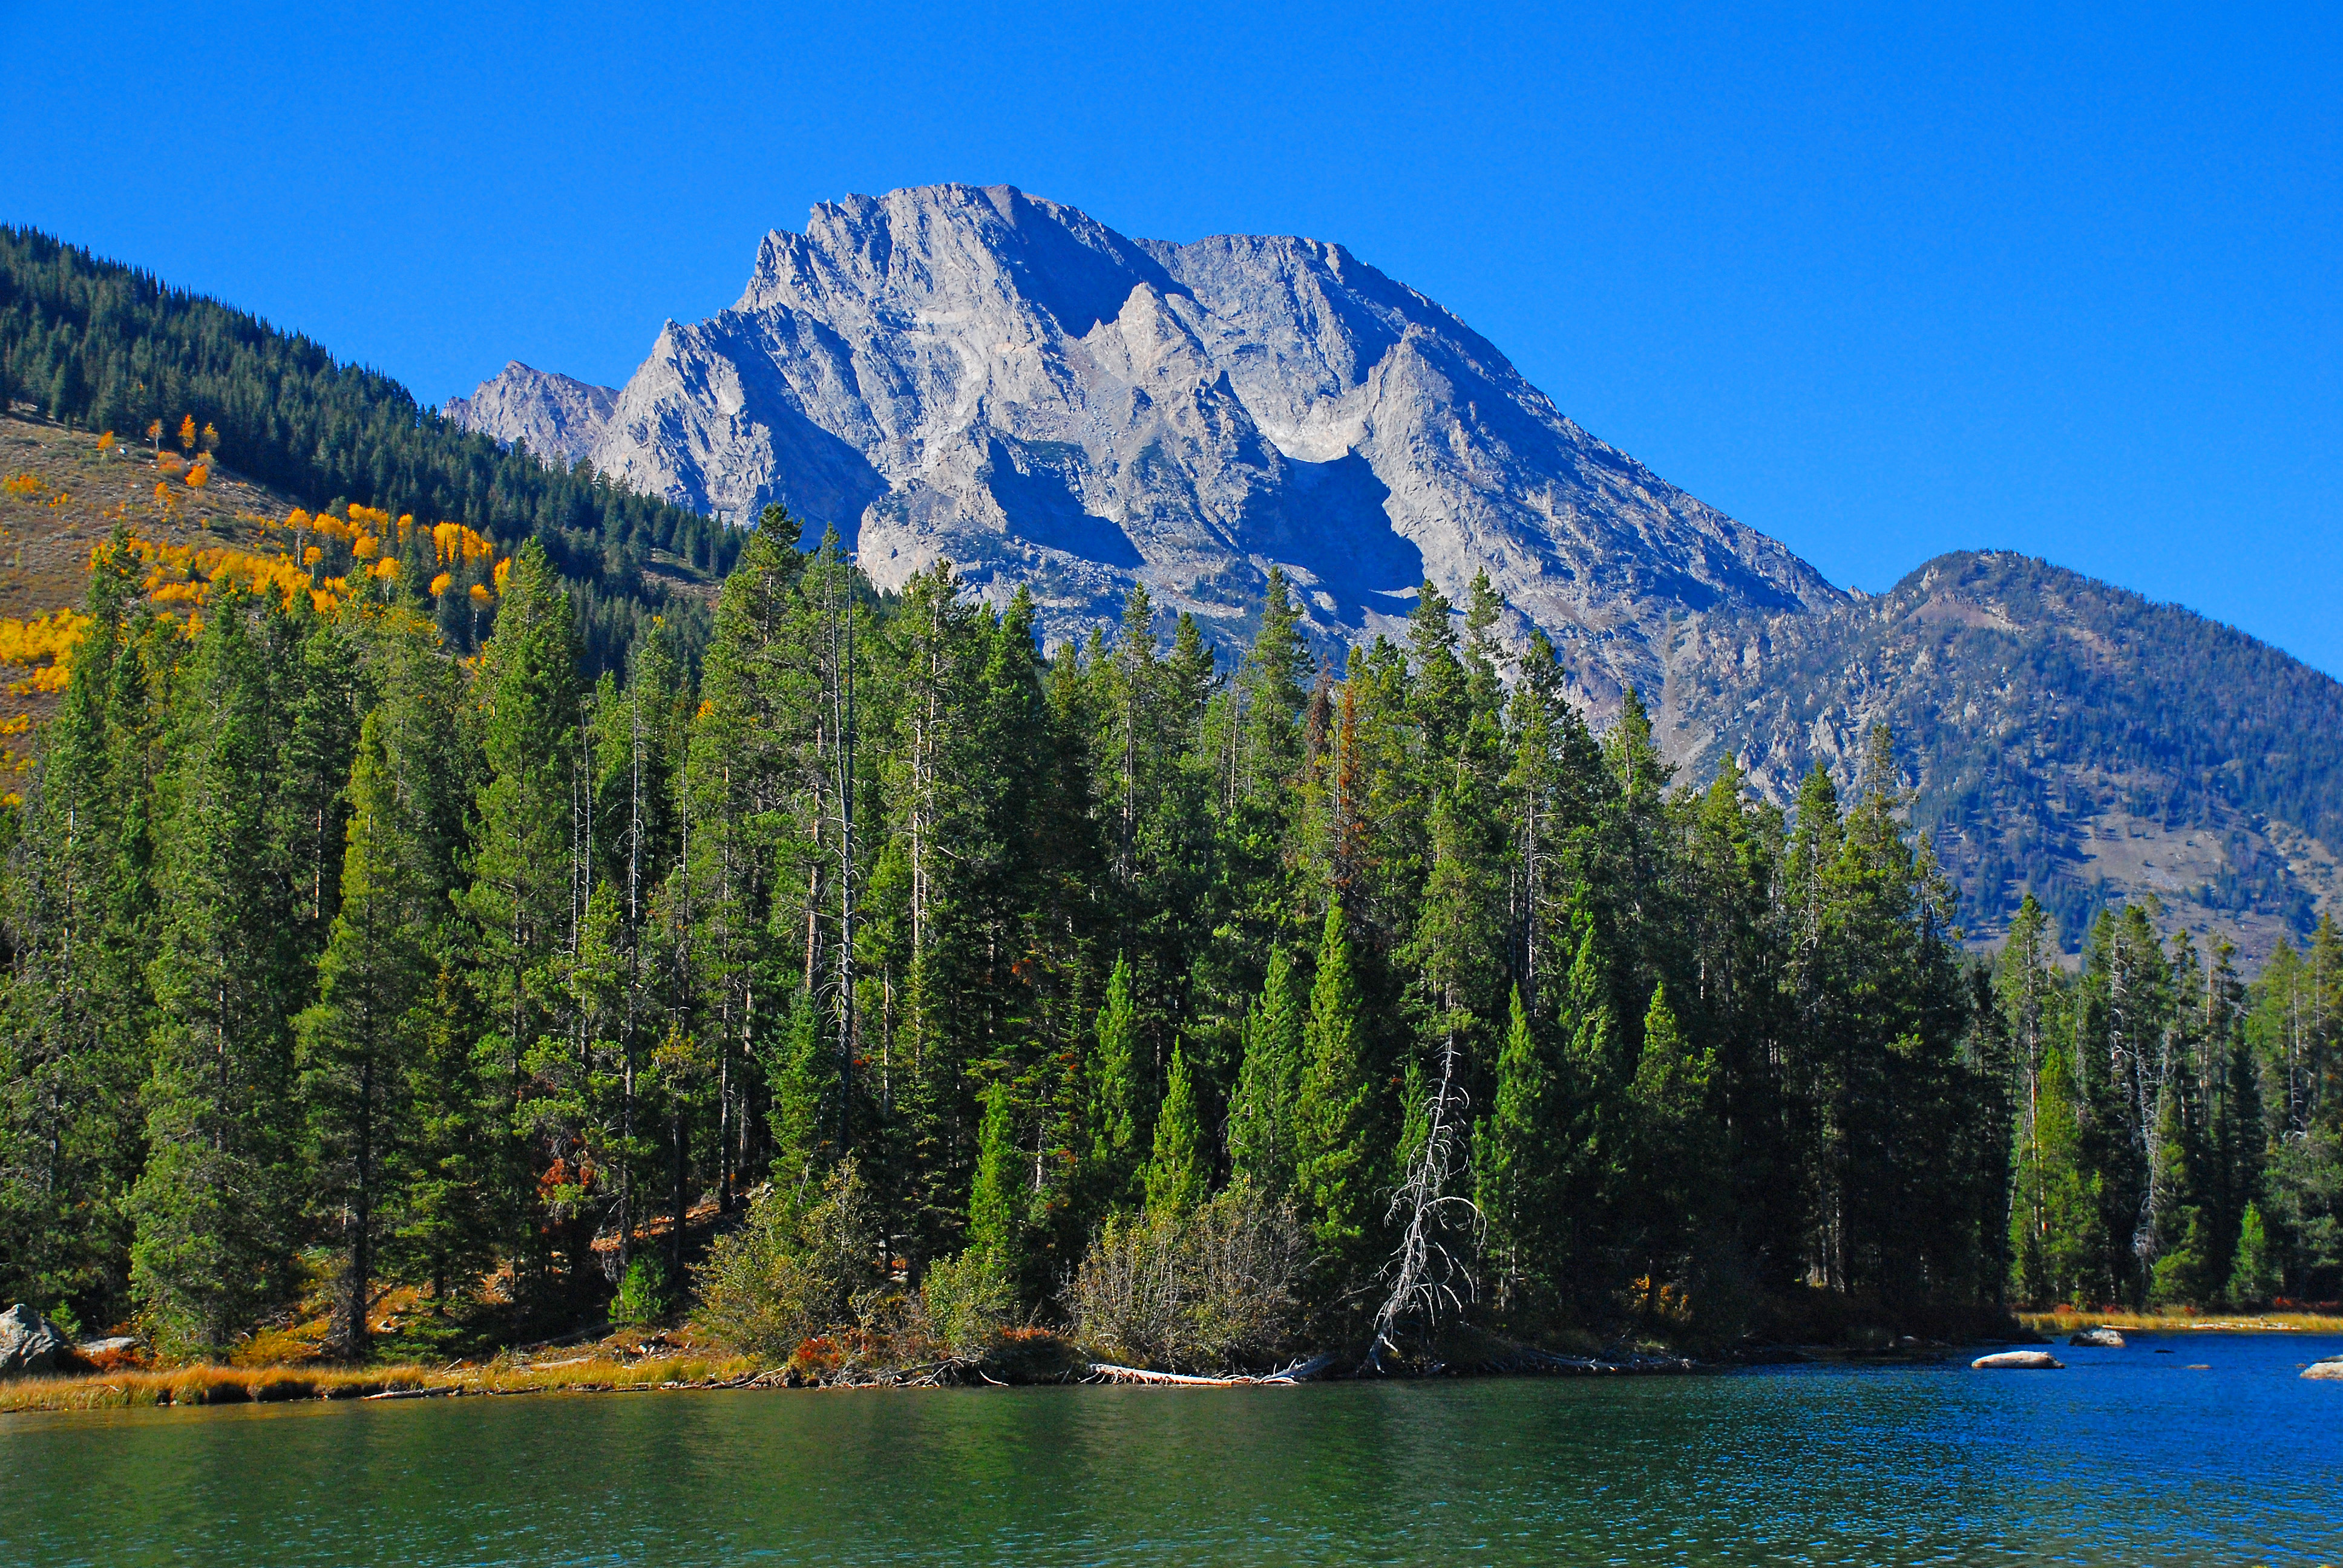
554	415
978	374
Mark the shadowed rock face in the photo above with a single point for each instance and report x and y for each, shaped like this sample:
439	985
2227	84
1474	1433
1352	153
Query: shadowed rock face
555	417
982	375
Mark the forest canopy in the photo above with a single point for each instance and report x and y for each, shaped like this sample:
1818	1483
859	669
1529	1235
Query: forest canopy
1359	1003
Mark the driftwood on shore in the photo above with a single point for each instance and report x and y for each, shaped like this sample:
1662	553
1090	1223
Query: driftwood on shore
1300	1372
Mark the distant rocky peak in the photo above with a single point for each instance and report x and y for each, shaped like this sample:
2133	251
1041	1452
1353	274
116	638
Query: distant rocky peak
974	374
554	415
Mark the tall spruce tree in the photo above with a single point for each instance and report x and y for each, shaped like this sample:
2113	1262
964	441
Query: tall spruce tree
995	1211
1261	1132
1180	1171
81	927
1522	1168
355	1042
217	1205
525	898
1119	1112
1335	1170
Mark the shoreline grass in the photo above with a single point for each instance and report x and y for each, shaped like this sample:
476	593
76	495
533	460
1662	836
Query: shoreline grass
210	1383
2183	1319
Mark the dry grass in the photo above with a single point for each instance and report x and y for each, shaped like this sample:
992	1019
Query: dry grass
212	1384
2066	1321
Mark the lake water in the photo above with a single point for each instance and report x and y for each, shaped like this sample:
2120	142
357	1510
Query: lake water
2126	1457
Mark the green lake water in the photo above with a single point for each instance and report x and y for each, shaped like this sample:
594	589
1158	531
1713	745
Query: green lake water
2126	1457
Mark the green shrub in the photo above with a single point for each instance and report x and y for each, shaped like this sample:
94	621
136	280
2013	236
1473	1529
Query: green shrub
969	1300
643	1296
792	1272
1204	1290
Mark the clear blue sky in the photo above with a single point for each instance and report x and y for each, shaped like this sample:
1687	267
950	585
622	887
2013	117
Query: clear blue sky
1881	283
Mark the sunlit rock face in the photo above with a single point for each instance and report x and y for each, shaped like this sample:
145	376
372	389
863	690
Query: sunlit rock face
554	415
981	374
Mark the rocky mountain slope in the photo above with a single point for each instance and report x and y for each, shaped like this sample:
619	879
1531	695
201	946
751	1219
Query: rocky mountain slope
554	415
978	374
982	375
2062	734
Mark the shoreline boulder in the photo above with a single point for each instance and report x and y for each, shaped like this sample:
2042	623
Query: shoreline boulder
2108	1339
29	1342
2017	1361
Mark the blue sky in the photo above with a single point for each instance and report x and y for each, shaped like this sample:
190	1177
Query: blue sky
1879	284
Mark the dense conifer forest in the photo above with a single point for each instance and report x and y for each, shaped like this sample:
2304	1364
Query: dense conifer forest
97	345
1213	1012
445	908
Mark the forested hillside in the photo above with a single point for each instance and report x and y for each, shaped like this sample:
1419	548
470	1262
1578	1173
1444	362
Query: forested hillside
95	345
2067	739
1209	1012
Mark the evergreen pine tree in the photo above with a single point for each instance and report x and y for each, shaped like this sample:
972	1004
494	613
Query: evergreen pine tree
2069	1234
1676	1141
524	894
1117	1100
1522	1168
1268	1081
1335	1170
216	1205
1179	1173
798	1123
2254	1279
995	1221
81	933
354	1051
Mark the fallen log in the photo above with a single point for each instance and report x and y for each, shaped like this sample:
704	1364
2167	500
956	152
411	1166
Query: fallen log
1300	1372
1107	1371
1303	1371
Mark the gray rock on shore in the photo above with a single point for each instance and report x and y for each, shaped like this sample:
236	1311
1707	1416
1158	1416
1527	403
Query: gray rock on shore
2017	1361
2107	1338
29	1342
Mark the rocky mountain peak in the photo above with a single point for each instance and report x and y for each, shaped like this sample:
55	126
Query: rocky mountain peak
554	415
978	374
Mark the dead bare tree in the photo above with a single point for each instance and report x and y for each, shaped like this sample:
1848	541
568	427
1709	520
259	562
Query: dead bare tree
1426	1277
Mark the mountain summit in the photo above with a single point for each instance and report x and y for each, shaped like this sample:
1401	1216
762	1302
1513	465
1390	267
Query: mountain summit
978	374
973	373
554	415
